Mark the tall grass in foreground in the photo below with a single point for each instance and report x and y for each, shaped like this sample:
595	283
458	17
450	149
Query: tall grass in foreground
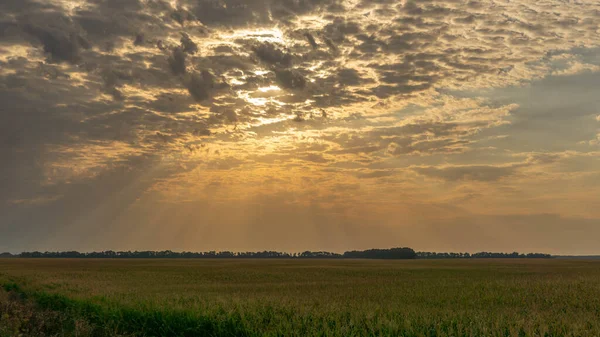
315	298
22	317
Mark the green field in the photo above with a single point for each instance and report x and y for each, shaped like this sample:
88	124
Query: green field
518	297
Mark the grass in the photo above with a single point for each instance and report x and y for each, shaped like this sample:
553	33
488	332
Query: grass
307	298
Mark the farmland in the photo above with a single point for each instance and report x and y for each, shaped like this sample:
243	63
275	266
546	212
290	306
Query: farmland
181	297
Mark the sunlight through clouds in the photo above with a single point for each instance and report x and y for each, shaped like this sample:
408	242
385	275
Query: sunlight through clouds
394	113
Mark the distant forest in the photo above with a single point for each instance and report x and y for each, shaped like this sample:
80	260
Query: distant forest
393	253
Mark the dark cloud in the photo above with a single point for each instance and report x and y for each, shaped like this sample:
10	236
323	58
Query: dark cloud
350	77
329	42
62	44
311	40
110	21
201	85
340	28
272	54
223	115
113	79
139	39
290	79
181	16
187	45
115	93
177	61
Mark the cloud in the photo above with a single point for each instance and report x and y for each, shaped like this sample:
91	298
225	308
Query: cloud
375	174
59	38
350	77
315	158
139	39
201	85
177	61
188	45
393	97
486	173
290	79
273	55
311	40
385	65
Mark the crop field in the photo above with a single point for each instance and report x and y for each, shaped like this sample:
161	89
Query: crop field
177	297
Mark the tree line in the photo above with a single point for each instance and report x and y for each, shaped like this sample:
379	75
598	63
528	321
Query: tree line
481	255
392	253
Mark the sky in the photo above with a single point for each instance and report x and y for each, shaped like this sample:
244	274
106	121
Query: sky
292	125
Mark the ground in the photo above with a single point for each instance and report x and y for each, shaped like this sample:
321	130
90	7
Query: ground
484	297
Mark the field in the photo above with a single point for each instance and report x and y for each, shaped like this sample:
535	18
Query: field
484	297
